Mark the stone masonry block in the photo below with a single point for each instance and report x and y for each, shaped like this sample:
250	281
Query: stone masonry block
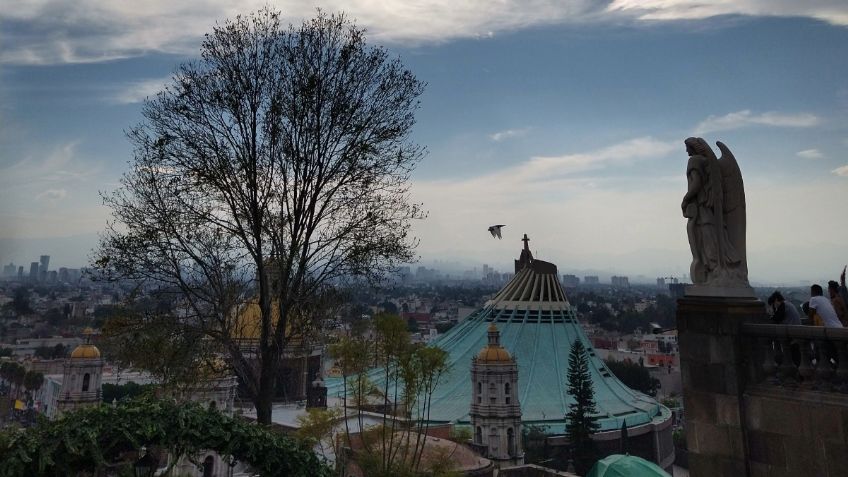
722	350
700	406
716	440
709	378
711	466
727	410
764	470
767	448
804	457
781	417
753	412
824	423
836	459
694	347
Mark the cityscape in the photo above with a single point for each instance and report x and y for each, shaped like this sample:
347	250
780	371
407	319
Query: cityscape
544	239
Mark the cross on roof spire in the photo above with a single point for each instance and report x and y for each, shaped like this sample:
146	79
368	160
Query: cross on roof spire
526	242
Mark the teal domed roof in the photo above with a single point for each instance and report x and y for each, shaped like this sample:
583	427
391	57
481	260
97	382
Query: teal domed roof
537	327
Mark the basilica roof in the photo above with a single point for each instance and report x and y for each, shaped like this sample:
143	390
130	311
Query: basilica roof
537	328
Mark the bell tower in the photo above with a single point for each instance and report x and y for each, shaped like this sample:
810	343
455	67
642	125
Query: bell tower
495	410
82	376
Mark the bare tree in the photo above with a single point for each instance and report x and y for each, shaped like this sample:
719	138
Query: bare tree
272	167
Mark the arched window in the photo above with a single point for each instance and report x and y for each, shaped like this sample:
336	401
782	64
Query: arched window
479	392
506	392
86	381
213	405
493	394
478	436
510	442
208	466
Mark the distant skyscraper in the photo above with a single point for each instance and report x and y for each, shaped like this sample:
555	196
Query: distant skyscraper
591	280
33	271
620	282
21	272
45	262
9	270
570	281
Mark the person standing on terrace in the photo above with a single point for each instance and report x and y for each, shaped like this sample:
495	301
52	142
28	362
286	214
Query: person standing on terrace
822	306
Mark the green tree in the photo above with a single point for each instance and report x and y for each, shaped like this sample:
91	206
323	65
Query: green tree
130	390
582	419
265	172
634	376
112	436
409	375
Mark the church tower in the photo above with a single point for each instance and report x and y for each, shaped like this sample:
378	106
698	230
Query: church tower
495	410
83	373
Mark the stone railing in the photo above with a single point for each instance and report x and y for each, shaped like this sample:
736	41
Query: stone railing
805	357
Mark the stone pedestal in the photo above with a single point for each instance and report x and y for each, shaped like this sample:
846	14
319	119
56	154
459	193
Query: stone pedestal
713	371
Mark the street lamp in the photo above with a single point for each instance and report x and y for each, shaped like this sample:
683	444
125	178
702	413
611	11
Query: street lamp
146	465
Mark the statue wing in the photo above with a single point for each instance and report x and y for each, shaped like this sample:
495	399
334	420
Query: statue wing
731	177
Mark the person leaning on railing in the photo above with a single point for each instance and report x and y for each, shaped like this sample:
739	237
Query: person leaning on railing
784	313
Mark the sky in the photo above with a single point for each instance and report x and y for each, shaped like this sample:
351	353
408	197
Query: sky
563	119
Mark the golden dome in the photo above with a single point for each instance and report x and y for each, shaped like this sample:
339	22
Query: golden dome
494	354
85	351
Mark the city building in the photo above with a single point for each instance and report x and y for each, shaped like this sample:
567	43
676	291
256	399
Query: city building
570	281
33	271
44	263
9	270
495	407
591	280
620	282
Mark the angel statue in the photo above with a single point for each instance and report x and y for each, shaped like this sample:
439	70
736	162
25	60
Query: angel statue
715	206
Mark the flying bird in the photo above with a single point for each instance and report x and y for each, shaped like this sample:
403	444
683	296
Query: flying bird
495	230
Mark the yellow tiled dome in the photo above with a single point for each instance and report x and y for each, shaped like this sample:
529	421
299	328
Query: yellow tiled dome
493	354
85	351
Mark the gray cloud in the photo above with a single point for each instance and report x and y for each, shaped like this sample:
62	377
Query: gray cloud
745	118
810	154
508	134
55	31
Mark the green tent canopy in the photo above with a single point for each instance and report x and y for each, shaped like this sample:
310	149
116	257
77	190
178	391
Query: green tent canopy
618	465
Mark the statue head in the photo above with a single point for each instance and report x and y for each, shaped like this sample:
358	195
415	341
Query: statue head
697	146
693	146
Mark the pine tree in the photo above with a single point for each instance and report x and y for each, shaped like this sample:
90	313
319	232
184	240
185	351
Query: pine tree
581	416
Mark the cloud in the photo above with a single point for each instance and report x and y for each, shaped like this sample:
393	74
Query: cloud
831	11
542	177
508	134
841	171
57	165
745	118
56	31
138	91
810	154
52	194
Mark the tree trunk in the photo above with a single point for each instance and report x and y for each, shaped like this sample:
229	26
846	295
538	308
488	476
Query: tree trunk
265	396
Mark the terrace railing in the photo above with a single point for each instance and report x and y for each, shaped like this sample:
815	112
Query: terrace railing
800	357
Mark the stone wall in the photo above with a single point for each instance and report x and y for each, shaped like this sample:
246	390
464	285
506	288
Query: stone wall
714	377
793	433
738	425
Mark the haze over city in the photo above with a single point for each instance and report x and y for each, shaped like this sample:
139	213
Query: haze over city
563	120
